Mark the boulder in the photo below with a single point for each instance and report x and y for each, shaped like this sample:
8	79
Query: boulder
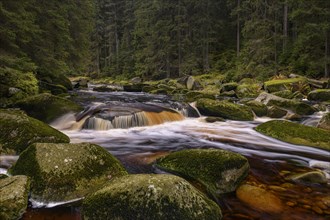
136	80
224	109
18	131
63	172
213	119
81	83
231	93
226	87
248	90
218	171
14	193
193	96
258	108
276	112
259	199
321	95
134	87
309	177
287	94
292	84
324	122
53	88
296	133
298	107
149	197
47	107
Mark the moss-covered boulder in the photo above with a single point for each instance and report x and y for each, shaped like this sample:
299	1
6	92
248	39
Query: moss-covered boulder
292	84
47	107
298	107
248	90
62	172
258	108
14	193
324	122
18	131
217	170
287	94
296	133
276	112
149	197
226	87
321	95
224	109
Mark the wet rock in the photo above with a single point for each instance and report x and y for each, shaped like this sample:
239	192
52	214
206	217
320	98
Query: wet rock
47	107
213	119
309	177
296	133
62	172
287	94
292	116
259	199
148	197
292	84
14	196
218	171
276	112
133	87
224	109
258	108
321	95
293	105
324	122
105	88
18	131
226	87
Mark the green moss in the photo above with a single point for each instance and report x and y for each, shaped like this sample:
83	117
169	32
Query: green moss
61	172
296	133
226	87
283	84
47	107
149	197
258	108
224	109
18	131
218	171
319	95
248	90
287	94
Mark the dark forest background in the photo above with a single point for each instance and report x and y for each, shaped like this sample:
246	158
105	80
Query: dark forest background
165	38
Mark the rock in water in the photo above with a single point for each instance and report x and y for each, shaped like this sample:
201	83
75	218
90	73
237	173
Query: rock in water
260	199
62	172
47	107
319	95
296	133
218	171
224	109
13	196
18	131
309	177
149	197
324	122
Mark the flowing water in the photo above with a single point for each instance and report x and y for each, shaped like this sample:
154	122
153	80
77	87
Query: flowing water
137	147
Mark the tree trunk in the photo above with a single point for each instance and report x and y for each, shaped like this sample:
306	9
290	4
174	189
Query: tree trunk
238	29
285	25
326	70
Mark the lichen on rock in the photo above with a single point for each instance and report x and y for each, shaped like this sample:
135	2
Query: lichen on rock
149	197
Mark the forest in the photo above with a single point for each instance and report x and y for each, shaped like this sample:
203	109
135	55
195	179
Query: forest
165	39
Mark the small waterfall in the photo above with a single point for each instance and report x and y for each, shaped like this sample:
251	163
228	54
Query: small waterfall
137	119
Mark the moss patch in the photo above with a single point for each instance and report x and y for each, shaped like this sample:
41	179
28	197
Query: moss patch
296	133
224	109
47	107
61	172
284	84
18	131
258	108
149	197
319	95
218	171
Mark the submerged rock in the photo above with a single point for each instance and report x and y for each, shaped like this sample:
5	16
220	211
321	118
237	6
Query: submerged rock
18	131
47	107
324	122
14	193
62	172
218	171
309	177
321	95
259	199
224	109
293	105
296	133
149	197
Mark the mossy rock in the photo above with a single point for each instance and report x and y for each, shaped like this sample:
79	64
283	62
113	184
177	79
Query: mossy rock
192	96
134	87
47	107
62	172
226	87
298	107
296	133
149	197
248	90
231	93
321	95
224	109
218	171
45	76
148	88
324	122
276	112
292	84
18	131
258	108
14	193
287	94
54	89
